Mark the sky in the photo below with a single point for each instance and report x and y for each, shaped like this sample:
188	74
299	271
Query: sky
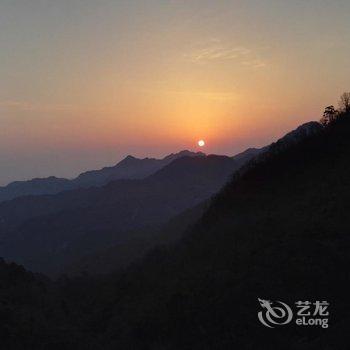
83	83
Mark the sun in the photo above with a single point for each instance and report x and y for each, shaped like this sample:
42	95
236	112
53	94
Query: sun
201	143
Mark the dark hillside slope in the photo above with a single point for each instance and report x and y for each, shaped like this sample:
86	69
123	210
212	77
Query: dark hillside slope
278	232
28	309
136	245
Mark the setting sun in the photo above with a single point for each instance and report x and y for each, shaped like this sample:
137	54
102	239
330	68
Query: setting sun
201	143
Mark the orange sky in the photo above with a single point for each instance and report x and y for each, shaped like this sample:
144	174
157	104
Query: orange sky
85	83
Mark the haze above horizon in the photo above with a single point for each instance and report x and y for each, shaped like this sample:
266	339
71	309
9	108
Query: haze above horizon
84	83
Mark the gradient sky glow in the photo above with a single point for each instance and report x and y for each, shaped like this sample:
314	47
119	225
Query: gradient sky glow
86	82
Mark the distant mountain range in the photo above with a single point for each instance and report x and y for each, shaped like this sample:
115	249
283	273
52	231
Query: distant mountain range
119	206
129	168
44	232
48	232
140	241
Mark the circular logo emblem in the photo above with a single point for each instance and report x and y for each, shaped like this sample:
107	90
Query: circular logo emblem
274	313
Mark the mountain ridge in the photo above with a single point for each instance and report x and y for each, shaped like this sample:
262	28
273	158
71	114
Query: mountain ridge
120	205
129	167
100	208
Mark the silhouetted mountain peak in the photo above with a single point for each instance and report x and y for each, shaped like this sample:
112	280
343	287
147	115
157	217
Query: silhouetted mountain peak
128	160
184	153
130	157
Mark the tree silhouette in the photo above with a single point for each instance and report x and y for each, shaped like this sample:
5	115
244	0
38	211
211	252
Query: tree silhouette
344	102
329	115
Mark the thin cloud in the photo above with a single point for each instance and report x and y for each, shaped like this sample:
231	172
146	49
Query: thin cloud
209	95
254	63
216	51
